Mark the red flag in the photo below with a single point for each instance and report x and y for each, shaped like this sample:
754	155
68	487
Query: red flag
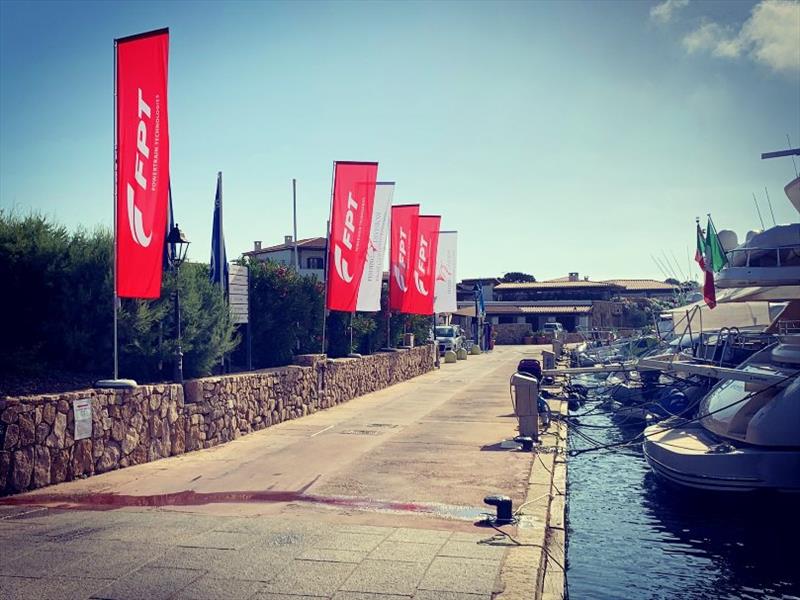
709	291
403	234
351	221
419	297
142	163
700	249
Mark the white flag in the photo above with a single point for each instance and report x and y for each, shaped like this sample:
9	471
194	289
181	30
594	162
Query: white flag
444	300
369	293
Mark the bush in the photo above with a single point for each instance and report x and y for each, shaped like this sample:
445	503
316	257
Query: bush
148	329
59	302
285	313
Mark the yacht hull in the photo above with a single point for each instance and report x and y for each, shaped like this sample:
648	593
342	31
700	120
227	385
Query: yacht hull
691	456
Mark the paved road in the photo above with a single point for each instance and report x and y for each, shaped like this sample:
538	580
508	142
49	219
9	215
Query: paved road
376	498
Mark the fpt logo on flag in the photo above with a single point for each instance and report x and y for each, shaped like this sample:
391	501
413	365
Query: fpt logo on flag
419	297
142	162
445	300
401	241
351	221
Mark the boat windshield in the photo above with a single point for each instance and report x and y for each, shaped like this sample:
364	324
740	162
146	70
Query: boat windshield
730	399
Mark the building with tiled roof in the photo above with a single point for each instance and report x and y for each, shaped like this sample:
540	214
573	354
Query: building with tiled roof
647	288
574	301
310	251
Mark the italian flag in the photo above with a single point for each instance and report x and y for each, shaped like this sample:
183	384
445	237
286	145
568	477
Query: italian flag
713	261
701	248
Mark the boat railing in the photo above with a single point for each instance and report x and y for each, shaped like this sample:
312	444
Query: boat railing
788	327
779	256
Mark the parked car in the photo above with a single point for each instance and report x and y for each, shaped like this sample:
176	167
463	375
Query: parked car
449	337
556	330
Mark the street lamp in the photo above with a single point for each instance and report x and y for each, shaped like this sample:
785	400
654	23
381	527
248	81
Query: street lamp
178	245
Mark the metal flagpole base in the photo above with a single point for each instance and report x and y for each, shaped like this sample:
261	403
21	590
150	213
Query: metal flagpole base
119	384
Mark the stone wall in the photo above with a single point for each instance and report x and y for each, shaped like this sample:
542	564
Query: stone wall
510	333
129	427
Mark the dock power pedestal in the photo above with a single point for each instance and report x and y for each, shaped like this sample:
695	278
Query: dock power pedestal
525	396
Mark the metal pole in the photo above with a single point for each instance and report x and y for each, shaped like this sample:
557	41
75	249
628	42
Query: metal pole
435	343
114	259
294	210
249	319
352	314
327	242
388	327
325	283
769	203
220	264
178	375
758	210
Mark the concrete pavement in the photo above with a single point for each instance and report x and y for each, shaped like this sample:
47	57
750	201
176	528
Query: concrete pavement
376	498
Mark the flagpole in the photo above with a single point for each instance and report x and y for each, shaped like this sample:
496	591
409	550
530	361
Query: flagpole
114	259
220	265
221	241
327	242
294	212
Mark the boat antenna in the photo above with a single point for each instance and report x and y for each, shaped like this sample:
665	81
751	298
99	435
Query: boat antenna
669	265
769	203
758	210
660	268
680	270
789	142
666	265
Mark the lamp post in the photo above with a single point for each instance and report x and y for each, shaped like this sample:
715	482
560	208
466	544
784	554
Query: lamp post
178	245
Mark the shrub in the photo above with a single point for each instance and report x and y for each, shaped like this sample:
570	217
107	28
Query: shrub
60	299
285	313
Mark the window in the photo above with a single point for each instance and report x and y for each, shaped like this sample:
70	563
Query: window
507	319
315	262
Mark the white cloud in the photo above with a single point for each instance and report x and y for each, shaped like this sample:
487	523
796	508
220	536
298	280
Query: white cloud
663	13
773	31
771	36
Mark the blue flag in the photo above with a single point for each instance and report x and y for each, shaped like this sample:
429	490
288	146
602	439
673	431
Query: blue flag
219	260
481	305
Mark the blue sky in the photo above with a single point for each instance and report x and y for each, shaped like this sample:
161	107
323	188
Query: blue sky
554	137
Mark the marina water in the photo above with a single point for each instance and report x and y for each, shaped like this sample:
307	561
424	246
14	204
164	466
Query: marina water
634	536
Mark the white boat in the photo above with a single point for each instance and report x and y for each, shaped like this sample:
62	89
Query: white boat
747	433
748	436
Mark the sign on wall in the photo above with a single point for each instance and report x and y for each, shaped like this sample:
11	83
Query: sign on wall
82	409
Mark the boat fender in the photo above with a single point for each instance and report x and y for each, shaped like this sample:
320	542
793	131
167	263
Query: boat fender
676	402
574	402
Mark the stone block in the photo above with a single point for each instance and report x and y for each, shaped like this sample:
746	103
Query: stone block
82	461
22	469
5	470
11	441
60	466
41	467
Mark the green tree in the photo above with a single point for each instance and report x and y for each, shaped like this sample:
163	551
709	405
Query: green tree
285	313
60	293
517	277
